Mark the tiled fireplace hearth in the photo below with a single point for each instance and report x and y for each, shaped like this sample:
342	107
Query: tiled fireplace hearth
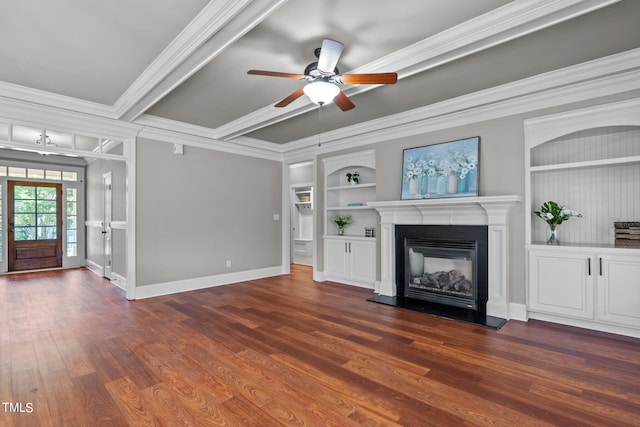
490	211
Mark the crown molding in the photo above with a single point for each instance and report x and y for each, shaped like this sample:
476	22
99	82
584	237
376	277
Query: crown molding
501	25
41	97
56	118
605	76
160	129
218	25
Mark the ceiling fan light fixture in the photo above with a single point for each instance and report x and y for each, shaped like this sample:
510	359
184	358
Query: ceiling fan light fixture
321	93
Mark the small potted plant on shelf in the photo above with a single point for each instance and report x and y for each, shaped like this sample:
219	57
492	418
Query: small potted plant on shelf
341	221
554	214
352	177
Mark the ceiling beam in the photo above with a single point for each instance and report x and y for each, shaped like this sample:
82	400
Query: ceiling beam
516	19
217	26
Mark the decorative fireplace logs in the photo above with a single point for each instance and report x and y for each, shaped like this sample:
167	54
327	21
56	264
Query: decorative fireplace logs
446	281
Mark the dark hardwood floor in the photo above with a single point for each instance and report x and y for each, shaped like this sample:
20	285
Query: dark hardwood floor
289	351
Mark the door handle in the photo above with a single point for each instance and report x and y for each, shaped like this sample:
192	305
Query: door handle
345	247
349	247
589	267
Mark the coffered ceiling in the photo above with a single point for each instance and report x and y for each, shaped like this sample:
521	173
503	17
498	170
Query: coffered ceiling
182	66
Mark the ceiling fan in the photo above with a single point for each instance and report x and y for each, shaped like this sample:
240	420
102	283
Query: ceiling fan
323	78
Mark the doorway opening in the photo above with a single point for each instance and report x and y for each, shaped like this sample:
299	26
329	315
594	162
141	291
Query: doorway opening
302	217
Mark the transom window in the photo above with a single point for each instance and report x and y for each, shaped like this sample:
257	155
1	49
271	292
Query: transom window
36	173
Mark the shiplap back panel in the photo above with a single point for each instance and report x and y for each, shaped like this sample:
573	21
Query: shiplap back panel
591	144
602	194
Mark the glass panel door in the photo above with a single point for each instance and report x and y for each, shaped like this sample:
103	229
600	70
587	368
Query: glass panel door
35	222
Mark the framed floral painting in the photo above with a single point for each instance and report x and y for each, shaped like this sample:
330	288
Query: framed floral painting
448	169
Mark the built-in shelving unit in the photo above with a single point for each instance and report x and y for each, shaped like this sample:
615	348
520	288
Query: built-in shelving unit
304	197
589	161
350	258
342	197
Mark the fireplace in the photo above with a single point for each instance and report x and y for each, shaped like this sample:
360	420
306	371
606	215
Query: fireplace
443	264
488	212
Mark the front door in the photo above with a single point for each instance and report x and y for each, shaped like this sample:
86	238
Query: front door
35	225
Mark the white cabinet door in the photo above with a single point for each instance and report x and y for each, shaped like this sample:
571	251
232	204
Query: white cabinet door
351	261
619	289
561	283
336	257
363	260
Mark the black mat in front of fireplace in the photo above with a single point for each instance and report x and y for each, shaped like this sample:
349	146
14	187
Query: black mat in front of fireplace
441	310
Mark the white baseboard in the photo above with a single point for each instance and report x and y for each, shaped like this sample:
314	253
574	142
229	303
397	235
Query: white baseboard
158	289
586	324
518	312
318	276
119	281
95	267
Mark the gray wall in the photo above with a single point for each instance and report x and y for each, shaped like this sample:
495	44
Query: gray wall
501	170
95	211
301	174
200	209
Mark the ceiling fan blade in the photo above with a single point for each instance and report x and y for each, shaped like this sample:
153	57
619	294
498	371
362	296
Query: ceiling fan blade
276	74
343	102
367	79
330	52
289	99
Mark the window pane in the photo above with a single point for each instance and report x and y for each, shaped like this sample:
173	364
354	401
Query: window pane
61	139
17	172
71	194
47	233
69	176
72	222
25	233
72	236
72	249
3	171
25	219
46	193
24	192
36	173
47	220
25	206
54	175
46	206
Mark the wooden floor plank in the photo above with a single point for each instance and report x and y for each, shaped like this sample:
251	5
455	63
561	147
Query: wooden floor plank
287	350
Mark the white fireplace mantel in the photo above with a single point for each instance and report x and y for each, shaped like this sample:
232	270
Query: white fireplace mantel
492	211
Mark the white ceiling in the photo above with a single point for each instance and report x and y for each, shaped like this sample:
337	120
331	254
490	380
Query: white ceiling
182	65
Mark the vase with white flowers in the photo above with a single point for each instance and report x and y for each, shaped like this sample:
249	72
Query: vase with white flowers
341	221
554	214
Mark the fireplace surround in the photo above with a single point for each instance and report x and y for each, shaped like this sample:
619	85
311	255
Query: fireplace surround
489	211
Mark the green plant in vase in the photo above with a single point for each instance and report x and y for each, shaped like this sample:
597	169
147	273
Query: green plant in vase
353	177
341	221
554	215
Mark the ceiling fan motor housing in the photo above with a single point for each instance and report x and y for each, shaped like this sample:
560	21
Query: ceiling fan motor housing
312	70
